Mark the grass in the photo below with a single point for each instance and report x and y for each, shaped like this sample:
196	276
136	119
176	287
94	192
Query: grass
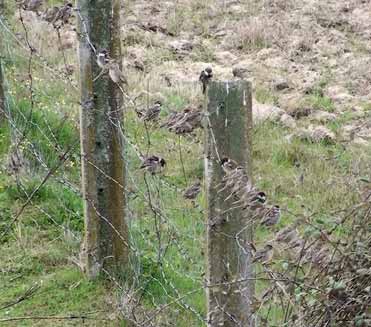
39	253
264	95
42	245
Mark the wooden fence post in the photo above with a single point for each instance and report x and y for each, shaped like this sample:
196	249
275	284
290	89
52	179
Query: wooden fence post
228	134
103	180
2	91
2	51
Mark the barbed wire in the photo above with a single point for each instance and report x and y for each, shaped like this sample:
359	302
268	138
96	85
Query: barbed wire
171	246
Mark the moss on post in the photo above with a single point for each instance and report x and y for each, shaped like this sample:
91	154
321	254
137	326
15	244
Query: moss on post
2	87
106	235
228	134
2	92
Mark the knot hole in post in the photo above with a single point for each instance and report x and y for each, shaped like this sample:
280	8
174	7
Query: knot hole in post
220	107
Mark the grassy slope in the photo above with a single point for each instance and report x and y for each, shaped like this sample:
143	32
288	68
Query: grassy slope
40	252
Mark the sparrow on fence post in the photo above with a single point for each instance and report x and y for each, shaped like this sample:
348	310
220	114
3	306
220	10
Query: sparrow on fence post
115	73
205	77
102	58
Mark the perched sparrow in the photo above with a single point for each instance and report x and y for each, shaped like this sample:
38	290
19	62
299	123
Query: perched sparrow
297	242
229	165
64	14
184	128
184	122
239	72
153	112
140	112
102	58
190	120
50	14
153	164
115	73
205	77
192	191
264	255
272	216
32	5
258	201
287	235
260	197
172	119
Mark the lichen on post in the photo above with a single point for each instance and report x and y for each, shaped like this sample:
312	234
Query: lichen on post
103	176
230	273
2	93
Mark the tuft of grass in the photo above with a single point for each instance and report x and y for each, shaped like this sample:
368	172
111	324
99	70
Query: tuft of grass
264	95
320	102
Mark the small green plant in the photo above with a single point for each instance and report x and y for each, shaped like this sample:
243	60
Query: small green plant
264	95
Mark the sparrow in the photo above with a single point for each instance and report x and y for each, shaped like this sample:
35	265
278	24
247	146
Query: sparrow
64	14
191	192
239	72
115	73
229	165
205	77
260	197
153	112
257	202
172	119
32	5
272	216
102	58
153	164
287	235
192	119
184	122
185	128
50	14
264	255
140	112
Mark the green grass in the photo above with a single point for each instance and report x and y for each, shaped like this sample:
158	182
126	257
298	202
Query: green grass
36	251
263	95
39	251
320	102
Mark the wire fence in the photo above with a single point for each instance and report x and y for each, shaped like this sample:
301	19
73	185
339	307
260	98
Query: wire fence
319	273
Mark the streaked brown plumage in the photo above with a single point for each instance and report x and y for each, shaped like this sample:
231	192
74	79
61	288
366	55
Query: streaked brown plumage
32	5
192	191
272	216
229	165
50	14
183	122
153	164
264	255
115	73
287	235
153	112
63	15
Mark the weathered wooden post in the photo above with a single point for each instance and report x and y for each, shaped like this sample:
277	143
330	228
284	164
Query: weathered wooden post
2	90
2	87
229	268
106	235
